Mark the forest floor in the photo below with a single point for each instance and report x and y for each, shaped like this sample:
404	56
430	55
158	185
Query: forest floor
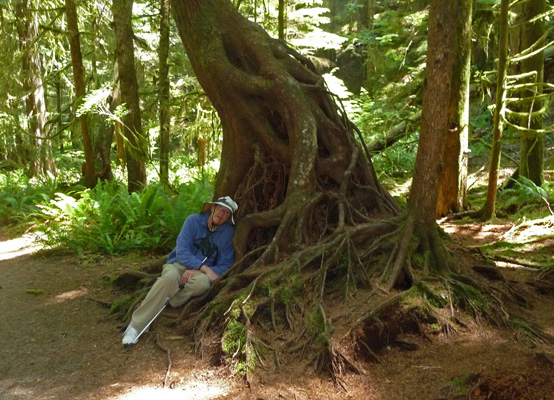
58	342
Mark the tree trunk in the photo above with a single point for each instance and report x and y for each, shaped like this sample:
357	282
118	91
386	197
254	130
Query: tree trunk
532	143
58	84
498	123
281	20
453	181
40	149
275	117
422	203
370	13
135	143
165	118
80	90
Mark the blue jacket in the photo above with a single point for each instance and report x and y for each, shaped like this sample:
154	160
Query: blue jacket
188	254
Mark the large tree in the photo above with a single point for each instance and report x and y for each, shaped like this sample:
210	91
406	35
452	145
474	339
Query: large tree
453	182
315	227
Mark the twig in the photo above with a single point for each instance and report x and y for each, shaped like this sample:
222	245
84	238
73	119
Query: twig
547	204
534	267
168	351
103	303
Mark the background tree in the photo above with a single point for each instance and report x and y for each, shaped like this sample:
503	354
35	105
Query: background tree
488	210
281	29
531	41
165	118
453	182
80	90
132	125
40	149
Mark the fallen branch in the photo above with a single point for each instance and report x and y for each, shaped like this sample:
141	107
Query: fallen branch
530	267
393	135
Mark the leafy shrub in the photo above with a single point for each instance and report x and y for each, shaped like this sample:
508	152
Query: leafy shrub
109	219
21	196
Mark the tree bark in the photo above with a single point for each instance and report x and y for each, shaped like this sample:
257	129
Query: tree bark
165	118
498	124
532	143
434	118
278	123
132	129
422	202
453	181
80	90
40	150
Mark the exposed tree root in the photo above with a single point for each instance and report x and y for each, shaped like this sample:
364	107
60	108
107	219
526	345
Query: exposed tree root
293	302
169	360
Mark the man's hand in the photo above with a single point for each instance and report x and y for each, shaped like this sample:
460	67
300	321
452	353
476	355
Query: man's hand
189	273
208	271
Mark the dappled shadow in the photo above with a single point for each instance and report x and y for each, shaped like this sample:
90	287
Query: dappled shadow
475	234
56	342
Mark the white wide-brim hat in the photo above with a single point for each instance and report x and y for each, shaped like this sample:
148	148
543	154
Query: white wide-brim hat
228	203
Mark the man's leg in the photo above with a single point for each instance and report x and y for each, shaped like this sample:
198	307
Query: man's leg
165	286
196	286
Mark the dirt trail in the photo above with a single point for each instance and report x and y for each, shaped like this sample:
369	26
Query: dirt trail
56	342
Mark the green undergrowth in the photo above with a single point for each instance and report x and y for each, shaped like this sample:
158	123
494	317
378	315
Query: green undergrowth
21	198
108	219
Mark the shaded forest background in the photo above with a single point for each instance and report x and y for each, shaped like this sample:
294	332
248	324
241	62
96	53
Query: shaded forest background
65	126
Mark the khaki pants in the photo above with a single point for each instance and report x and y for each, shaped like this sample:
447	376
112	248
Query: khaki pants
167	285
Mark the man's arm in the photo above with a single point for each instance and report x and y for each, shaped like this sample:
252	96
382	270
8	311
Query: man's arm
183	248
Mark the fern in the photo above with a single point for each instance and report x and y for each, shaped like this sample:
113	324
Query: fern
524	191
108	219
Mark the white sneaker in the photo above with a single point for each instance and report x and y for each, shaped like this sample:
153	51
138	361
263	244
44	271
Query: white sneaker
129	336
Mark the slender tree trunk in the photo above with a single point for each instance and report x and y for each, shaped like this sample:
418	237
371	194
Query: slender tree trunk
370	13
498	125
41	159
165	118
80	90
135	143
422	203
281	19
532	143
453	182
59	111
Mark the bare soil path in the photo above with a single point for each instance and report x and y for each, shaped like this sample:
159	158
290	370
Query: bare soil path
57	342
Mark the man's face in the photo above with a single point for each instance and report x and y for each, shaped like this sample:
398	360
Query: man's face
220	214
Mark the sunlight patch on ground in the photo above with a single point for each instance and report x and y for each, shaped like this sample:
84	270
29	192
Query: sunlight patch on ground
71	295
528	230
20	246
191	391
